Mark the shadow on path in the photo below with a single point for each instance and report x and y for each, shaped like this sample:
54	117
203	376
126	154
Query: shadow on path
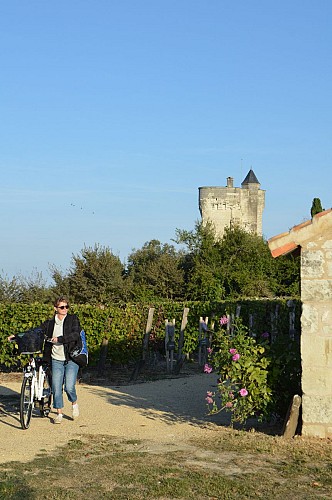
170	400
9	407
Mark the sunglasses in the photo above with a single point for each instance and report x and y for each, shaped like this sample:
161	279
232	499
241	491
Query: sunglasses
63	307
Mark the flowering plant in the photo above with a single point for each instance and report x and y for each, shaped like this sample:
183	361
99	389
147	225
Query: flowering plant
241	363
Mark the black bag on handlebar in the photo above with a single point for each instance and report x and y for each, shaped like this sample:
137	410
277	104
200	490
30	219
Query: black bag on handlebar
30	341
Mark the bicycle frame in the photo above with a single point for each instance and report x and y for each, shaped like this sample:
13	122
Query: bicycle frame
37	377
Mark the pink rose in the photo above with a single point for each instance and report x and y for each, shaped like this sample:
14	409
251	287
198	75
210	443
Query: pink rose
243	392
236	357
207	368
232	351
223	320
209	400
229	404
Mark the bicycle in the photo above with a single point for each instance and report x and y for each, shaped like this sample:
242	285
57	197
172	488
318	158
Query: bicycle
35	391
36	384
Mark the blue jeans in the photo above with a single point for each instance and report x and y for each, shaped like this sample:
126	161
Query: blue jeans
63	374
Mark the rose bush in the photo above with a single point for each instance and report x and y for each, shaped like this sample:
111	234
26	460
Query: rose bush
242	365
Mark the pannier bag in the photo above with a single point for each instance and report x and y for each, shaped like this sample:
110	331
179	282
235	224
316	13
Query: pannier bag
30	341
80	352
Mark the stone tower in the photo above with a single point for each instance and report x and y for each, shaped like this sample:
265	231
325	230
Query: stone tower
231	206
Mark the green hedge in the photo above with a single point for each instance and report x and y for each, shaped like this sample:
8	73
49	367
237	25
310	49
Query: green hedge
124	326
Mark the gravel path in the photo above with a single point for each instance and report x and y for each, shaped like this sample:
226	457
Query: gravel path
164	413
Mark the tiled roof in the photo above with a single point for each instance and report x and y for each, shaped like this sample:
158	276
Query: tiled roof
250	178
287	242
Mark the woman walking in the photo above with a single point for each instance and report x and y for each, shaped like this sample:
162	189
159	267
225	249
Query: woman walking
63	330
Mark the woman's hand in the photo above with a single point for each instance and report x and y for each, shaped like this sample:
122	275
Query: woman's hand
11	338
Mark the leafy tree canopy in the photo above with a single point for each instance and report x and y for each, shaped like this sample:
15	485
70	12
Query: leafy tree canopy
155	271
25	289
95	276
239	264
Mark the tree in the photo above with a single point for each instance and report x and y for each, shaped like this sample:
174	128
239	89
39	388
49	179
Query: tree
238	265
96	277
248	268
288	275
34	288
155	271
316	207
61	282
25	289
10	289
202	263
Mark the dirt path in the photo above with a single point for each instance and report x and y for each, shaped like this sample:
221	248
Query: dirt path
163	413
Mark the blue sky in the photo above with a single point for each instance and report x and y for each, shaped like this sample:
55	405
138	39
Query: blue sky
113	113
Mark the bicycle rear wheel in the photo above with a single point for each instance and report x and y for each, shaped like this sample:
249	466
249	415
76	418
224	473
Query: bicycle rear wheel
26	403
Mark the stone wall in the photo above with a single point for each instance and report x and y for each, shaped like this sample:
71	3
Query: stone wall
316	338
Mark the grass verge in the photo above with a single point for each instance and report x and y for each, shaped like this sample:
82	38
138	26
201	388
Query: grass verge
236	465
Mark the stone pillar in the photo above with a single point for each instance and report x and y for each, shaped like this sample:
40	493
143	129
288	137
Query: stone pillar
316	337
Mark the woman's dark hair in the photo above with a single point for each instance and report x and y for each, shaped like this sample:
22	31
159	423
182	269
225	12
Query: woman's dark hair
60	299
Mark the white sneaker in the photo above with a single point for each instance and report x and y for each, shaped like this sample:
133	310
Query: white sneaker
58	419
76	411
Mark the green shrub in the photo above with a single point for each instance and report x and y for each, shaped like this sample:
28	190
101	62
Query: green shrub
242	365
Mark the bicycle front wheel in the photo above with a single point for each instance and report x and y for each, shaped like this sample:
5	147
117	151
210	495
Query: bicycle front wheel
26	403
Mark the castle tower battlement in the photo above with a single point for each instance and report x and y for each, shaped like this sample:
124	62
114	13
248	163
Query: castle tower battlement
233	206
